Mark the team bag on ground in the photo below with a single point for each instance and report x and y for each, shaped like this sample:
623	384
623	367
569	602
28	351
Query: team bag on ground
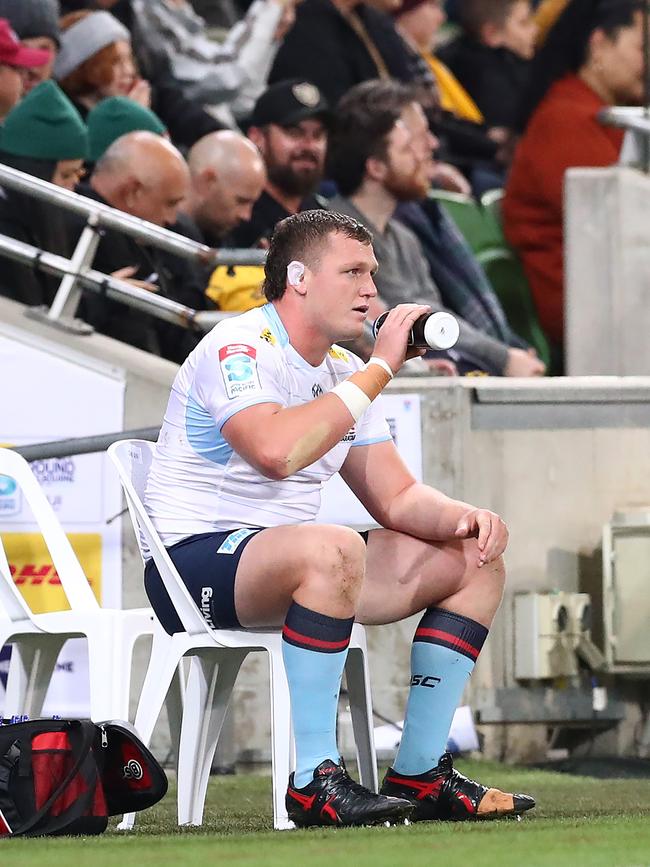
68	776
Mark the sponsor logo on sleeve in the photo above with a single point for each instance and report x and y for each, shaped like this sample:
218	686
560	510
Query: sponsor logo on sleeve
238	363
268	335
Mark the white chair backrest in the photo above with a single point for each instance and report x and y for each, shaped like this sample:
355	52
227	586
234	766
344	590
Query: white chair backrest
132	458
12	604
74	582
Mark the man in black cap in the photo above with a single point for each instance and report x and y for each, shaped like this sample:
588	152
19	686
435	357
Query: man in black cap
289	125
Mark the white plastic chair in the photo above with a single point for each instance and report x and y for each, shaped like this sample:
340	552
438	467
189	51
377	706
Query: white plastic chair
216	657
37	638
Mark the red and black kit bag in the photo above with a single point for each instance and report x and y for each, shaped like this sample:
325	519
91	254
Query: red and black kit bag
68	776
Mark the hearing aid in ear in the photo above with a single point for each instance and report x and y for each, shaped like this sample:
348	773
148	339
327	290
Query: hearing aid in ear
295	272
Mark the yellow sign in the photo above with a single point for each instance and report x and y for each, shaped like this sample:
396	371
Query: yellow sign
34	573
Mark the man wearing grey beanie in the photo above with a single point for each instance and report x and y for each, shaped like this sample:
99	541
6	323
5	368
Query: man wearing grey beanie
37	24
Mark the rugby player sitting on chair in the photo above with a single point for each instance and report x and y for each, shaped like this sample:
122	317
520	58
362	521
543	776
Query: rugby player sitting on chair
262	412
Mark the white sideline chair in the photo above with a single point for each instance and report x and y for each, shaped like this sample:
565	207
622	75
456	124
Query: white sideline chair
216	656
37	638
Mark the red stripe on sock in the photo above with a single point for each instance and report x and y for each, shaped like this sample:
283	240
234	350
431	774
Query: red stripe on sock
449	638
315	642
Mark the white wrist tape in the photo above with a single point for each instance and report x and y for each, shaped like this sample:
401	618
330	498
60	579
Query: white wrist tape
355	400
382	363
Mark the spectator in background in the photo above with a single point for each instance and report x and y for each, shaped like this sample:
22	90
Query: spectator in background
115	117
228	76
36	22
96	61
45	137
143	175
336	44
186	120
418	22
289	126
227	178
592	58
481	152
15	59
492	57
377	162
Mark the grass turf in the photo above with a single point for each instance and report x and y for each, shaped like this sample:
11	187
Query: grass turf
578	821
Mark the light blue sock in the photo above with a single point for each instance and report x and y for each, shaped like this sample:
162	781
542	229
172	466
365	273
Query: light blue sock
445	648
314	649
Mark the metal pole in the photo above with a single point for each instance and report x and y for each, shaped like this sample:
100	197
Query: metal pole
143	231
83	445
69	293
149	302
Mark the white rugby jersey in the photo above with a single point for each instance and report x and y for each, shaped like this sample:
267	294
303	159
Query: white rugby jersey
197	483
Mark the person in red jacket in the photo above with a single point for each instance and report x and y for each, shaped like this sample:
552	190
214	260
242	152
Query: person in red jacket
592	58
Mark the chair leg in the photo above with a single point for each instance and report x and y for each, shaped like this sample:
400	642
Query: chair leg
161	672
356	672
33	660
110	672
209	687
174	704
281	739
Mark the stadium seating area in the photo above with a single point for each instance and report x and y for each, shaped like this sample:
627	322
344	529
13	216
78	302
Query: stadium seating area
88	87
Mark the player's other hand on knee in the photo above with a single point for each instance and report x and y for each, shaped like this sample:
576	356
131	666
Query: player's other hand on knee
488	528
393	336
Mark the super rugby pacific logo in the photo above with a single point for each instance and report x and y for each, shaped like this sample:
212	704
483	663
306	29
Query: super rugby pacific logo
238	363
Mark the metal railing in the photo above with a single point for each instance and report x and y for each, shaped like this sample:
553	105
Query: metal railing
636	122
78	274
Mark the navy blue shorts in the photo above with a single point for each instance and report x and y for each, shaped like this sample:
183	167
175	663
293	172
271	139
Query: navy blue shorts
207	563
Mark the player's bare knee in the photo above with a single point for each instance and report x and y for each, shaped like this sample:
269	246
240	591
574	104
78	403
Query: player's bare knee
338	561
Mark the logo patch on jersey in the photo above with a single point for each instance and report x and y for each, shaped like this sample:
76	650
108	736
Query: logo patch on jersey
268	335
234	540
238	363
338	353
316	390
350	436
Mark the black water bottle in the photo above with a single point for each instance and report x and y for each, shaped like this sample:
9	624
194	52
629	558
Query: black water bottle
437	330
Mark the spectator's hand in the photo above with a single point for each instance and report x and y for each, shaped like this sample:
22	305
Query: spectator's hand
447	177
127	273
522	362
141	93
507	142
441	366
488	528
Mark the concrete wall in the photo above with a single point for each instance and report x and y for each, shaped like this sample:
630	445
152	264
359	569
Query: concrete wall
607	261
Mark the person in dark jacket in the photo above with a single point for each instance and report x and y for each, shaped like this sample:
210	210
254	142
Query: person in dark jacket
143	175
492	57
336	44
45	137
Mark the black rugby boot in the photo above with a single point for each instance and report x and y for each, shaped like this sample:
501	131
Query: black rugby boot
333	798
444	793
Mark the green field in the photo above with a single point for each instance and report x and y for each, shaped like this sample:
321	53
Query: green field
579	821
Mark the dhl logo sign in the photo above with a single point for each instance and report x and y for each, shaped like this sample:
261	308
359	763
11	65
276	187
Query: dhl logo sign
34	573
